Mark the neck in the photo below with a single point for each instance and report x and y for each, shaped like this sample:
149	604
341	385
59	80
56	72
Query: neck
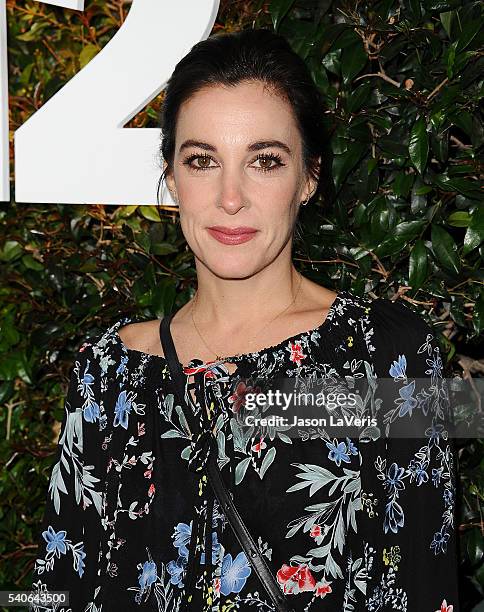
231	304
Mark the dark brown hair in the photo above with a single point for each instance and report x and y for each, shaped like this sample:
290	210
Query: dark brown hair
251	55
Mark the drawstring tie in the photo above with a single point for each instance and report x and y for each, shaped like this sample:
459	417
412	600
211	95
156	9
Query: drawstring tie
201	445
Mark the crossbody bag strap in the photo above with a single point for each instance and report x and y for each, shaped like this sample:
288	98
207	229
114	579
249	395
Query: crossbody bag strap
217	483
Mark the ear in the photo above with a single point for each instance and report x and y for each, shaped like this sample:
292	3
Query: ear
170	183
311	184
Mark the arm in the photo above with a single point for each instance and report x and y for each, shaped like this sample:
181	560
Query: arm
71	528
415	560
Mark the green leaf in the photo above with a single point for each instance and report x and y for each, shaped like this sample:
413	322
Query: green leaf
469	32
418	265
475	232
478	314
419	145
459	218
150	213
358	97
31	263
441	5
163	248
451	60
278	9
267	461
445	248
401	235
446	20
86	55
465	186
403	184
11	251
240	470
35	32
353	60
344	163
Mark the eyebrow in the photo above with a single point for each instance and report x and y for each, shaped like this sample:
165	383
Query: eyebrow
255	146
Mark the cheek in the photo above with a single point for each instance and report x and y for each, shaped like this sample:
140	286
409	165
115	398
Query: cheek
277	222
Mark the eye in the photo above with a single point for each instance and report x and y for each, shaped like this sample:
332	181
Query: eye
205	162
269	157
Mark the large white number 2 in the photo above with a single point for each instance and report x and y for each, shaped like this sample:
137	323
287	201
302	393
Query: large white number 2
74	149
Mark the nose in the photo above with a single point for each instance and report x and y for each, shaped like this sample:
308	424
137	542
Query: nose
231	197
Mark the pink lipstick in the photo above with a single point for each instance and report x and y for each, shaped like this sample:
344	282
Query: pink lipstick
232	235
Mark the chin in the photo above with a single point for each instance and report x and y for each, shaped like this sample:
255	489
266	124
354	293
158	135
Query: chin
234	267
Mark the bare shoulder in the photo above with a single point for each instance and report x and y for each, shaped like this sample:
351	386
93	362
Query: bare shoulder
318	297
143	336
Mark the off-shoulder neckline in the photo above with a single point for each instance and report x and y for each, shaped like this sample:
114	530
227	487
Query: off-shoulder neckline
195	362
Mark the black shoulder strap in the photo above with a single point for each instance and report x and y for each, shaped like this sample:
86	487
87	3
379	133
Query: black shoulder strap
171	357
218	485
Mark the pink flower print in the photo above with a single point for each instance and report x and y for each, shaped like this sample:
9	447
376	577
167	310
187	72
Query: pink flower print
195	369
295	578
315	531
259	445
445	608
237	398
323	588
141	429
296	353
151	490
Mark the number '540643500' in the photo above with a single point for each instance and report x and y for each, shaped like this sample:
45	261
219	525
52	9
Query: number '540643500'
74	149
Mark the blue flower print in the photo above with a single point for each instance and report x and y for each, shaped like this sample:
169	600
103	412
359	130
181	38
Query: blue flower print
434	433
394	480
120	369
122	410
81	555
351	447
437	475
234	573
338	453
91	412
439	543
86	381
417	471
55	541
448	496
181	537
409	402
394	516
436	366
148	574
398	368
176	569
215	549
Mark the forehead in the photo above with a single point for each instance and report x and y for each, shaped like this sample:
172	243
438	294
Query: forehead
237	114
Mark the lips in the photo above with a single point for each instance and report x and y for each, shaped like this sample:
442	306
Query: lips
233	231
234	235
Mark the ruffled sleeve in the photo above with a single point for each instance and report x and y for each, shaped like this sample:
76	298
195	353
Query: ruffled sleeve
69	537
413	556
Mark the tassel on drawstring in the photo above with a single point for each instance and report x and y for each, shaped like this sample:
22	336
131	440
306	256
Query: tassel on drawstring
207	442
209	534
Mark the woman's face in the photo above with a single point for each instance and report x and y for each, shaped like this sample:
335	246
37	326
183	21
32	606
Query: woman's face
238	163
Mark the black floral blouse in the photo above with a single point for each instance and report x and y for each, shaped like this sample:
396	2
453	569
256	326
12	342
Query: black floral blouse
345	524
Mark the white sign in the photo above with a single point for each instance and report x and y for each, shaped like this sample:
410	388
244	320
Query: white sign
74	149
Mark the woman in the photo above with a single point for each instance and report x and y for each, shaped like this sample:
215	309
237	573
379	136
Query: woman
364	522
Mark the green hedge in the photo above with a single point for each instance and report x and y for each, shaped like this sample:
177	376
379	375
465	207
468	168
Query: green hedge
402	81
